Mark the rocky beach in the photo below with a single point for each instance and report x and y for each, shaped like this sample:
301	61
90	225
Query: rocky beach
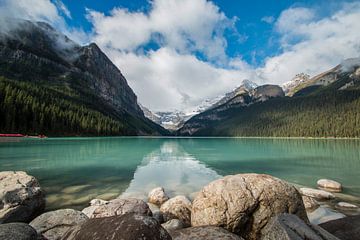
241	206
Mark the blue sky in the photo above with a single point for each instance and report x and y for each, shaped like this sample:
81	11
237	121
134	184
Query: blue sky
254	38
176	54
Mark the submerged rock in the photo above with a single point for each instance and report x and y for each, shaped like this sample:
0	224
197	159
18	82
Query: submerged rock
310	203
347	228
329	185
17	231
117	206
244	203
173	224
157	196
290	227
21	198
52	225
178	207
205	232
317	194
346	206
323	214
98	202
129	226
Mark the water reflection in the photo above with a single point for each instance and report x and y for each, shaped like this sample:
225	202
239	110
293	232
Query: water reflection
171	167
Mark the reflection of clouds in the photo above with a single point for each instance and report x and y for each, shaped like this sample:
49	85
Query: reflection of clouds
173	169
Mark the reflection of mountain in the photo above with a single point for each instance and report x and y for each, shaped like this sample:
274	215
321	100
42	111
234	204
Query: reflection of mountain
173	169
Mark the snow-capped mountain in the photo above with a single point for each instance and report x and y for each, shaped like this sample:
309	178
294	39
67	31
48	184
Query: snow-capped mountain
296	81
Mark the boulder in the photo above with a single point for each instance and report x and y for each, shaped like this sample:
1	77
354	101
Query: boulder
156	213
21	198
173	224
118	206
317	194
310	203
53	225
290	227
157	196
346	206
244	203
178	207
323	214
204	232
17	231
128	226
329	185
347	228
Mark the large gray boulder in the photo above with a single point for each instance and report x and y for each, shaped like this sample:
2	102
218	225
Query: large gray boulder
347	228
173	224
178	207
17	231
21	198
117	207
129	226
205	232
53	225
290	227
245	203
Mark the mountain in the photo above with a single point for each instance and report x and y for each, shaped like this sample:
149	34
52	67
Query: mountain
327	105
290	86
52	85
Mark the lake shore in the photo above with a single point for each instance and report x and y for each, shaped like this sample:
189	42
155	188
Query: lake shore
184	215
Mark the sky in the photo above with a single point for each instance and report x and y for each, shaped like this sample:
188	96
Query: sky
175	54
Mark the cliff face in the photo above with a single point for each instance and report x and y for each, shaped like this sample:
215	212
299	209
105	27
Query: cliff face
36	53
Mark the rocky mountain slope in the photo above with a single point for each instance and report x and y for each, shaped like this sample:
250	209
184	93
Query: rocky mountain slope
326	105
90	91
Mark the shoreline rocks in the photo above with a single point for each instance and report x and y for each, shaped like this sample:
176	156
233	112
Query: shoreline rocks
290	227
244	203
316	193
347	228
205	232
178	207
117	207
157	196
310	204
17	231
128	226
21	197
53	225
329	185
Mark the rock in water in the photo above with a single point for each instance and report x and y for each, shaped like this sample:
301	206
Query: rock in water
117	207
329	185
17	231
129	226
347	228
346	206
156	213
178	207
157	196
315	193
244	203
21	198
290	227
205	232
53	225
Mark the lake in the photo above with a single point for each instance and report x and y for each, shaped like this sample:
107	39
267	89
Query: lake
75	170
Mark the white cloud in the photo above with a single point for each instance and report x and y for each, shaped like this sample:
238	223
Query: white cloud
40	10
184	25
313	45
268	19
172	77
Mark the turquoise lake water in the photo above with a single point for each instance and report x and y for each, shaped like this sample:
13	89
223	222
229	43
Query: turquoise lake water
75	170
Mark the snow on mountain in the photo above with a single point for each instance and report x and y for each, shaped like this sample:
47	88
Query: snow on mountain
296	81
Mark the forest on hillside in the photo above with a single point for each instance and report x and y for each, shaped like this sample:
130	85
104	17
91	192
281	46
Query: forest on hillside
327	114
37	109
